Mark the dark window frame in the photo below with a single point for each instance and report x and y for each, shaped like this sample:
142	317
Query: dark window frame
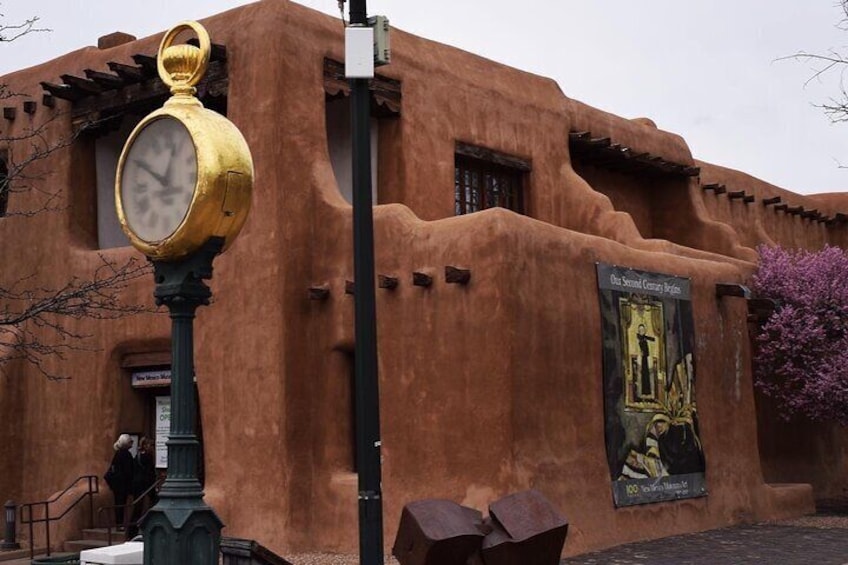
484	178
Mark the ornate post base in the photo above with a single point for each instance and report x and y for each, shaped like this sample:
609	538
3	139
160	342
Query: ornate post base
181	531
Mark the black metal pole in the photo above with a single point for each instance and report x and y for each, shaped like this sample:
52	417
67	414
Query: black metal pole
367	392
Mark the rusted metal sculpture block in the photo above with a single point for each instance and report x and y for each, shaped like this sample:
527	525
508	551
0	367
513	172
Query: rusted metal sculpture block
522	529
527	530
438	532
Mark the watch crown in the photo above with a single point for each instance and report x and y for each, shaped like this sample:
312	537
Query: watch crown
180	62
181	66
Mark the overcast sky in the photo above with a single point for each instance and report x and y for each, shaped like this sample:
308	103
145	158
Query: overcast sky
705	69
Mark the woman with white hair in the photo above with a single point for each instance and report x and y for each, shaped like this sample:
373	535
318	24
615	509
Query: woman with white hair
122	476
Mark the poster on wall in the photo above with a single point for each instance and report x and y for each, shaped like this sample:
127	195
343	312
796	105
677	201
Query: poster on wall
163	429
651	420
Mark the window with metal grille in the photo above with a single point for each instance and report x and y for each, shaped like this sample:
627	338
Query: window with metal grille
487	179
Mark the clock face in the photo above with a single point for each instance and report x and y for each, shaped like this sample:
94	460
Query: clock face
158	179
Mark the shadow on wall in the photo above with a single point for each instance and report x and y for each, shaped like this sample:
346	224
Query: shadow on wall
802	451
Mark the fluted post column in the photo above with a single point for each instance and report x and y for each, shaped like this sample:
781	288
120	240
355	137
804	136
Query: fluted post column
182	528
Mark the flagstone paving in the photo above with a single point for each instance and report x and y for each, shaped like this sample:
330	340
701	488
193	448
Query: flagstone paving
813	540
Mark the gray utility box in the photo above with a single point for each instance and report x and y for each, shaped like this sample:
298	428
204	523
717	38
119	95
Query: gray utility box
130	553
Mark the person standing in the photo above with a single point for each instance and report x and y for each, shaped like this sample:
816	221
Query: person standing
122	483
144	477
145	469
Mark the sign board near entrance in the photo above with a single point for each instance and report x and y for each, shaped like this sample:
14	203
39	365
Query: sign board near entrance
151	378
163	428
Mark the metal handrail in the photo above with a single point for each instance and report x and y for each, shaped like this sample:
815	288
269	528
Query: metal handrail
129	509
26	510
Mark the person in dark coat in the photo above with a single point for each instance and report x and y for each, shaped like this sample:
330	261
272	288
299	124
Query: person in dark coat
122	483
145	469
144	477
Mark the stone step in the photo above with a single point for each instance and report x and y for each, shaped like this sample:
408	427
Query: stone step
75	546
102	534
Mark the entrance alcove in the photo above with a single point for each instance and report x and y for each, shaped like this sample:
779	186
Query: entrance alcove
145	408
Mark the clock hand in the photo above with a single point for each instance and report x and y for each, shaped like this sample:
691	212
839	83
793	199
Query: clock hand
144	165
169	169
168	190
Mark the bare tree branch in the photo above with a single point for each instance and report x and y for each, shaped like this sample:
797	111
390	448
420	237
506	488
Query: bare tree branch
38	323
29	312
11	32
32	144
20	178
824	63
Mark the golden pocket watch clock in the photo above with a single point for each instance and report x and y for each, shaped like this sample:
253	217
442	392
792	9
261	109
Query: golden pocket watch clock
185	173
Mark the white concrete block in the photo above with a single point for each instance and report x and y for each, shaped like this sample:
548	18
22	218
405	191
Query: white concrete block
130	553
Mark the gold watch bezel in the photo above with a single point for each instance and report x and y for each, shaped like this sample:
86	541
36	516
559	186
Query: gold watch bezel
221	197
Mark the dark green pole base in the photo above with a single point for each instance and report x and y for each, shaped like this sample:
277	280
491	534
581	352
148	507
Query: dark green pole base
185	531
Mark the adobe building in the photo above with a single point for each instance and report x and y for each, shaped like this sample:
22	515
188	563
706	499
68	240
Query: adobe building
488	386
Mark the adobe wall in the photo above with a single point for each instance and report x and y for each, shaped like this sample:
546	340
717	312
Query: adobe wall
794	451
470	413
802	451
756	223
485	389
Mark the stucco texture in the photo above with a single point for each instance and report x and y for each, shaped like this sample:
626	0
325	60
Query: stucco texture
485	388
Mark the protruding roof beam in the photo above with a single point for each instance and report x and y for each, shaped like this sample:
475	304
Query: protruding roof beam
83	84
128	73
106	80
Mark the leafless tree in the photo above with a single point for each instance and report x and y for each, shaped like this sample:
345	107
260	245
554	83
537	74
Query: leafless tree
30	312
10	32
834	60
37	323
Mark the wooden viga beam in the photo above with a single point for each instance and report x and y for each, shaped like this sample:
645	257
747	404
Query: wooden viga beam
63	91
732	289
129	74
85	85
421	279
319	292
387	282
108	81
715	187
456	275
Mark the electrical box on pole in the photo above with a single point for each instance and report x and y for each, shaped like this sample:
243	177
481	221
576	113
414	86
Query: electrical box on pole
382	45
359	52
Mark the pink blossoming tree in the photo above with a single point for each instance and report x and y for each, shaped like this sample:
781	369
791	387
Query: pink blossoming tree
801	354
